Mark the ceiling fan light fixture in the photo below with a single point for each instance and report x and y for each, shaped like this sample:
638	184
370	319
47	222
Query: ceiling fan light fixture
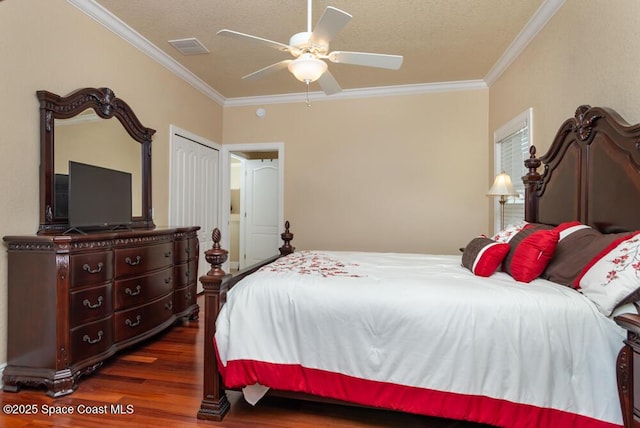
307	68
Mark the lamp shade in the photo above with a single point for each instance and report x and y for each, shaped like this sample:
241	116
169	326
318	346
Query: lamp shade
307	68
502	186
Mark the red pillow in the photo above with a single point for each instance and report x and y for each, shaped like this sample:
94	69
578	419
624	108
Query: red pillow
516	239
482	255
533	255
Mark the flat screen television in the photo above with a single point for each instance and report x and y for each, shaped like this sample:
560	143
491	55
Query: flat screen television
98	197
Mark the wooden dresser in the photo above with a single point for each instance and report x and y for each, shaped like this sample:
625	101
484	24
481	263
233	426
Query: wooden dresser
75	300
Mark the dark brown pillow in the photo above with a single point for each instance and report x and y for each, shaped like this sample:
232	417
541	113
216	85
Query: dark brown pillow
575	251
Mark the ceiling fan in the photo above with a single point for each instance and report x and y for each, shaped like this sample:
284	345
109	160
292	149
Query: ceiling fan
310	48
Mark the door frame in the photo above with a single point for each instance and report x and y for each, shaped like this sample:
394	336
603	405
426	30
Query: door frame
225	182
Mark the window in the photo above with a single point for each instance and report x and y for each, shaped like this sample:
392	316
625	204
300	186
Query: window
512	142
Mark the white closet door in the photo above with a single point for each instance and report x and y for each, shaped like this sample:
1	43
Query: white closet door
194	193
184	159
207	202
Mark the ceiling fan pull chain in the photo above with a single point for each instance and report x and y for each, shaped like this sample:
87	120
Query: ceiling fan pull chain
308	101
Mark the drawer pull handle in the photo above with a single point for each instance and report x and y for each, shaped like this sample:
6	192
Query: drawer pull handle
88	304
133	323
168	306
87	268
133	293
90	341
188	296
167	280
187	273
167	254
133	262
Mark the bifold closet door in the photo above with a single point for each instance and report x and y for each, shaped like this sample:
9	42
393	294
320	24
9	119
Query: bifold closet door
195	191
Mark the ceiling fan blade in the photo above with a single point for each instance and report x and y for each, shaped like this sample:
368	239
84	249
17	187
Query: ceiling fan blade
249	37
392	62
330	23
268	70
329	84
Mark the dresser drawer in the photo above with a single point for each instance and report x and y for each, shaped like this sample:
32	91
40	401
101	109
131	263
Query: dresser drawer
90	339
136	321
186	249
183	298
90	304
137	260
186	273
142	289
91	268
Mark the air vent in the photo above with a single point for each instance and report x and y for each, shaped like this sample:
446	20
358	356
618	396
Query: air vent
190	46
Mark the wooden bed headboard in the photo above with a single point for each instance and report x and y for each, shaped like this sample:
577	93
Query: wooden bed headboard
591	173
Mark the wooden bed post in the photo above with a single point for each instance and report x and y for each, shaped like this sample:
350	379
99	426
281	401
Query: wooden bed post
214	399
216	284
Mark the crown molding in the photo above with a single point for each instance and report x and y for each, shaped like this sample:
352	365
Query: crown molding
544	13
382	91
547	9
113	23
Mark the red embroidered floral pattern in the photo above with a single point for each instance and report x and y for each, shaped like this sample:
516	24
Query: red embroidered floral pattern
625	257
311	263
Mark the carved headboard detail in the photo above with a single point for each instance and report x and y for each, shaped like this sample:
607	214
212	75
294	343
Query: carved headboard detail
594	165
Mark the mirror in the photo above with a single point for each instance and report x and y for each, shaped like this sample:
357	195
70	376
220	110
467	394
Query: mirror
94	127
110	147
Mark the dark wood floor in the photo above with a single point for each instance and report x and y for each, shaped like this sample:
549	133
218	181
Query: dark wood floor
159	384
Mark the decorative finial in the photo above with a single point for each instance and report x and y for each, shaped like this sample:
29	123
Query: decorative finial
532	177
286	237
216	256
216	236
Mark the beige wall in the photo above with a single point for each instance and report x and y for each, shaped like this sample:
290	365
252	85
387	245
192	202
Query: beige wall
49	44
404	173
586	54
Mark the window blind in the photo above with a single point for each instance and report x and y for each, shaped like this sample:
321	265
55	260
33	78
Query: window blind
513	151
512	143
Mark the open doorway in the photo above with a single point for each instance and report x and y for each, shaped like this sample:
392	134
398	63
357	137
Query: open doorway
253	189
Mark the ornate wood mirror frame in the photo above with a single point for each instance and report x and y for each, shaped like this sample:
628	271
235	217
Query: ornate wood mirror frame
106	105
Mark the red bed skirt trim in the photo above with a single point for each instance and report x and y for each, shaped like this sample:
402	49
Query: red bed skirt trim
476	408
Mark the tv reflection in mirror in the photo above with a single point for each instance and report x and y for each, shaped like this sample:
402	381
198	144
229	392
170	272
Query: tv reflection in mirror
99	198
61	195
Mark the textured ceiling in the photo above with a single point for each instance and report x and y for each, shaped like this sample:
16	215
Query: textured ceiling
441	40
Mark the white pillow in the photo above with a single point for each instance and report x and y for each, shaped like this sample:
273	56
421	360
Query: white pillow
612	278
509	231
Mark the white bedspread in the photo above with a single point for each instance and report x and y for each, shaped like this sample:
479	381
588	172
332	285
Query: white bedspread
438	336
